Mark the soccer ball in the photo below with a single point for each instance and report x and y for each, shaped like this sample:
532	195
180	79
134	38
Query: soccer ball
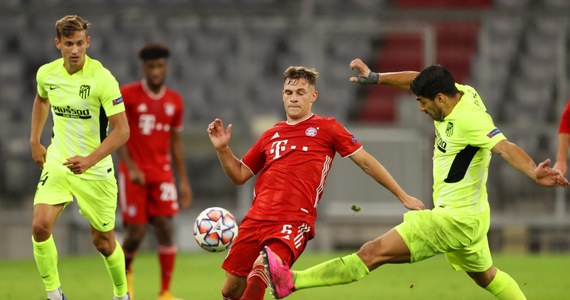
215	229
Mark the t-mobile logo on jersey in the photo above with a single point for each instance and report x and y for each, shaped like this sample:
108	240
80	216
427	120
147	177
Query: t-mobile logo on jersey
146	123
277	147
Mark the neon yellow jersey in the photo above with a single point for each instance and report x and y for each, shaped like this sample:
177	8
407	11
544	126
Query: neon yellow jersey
80	104
462	153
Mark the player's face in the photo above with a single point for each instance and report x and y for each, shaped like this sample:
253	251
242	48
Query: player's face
155	72
73	49
431	107
298	98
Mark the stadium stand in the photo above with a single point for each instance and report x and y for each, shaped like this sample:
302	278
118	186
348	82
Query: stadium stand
228	56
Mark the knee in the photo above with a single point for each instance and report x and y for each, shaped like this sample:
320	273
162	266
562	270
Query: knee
234	287
483	279
104	245
231	292
41	230
137	233
372	254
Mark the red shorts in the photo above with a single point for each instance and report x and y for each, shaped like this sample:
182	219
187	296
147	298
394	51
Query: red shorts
141	202
286	239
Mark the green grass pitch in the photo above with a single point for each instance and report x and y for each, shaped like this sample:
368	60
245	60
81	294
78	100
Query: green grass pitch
199	276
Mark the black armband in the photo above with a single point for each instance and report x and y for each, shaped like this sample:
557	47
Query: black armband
372	78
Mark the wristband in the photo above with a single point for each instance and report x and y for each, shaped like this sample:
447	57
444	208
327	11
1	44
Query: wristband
372	78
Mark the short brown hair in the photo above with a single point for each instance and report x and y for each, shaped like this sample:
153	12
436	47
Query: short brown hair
69	24
154	51
298	72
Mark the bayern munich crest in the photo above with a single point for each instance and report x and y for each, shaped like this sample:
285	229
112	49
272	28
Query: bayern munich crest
311	131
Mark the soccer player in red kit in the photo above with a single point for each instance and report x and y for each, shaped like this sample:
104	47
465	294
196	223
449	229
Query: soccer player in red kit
292	160
563	140
148	193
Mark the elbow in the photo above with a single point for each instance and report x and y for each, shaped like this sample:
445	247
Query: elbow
239	181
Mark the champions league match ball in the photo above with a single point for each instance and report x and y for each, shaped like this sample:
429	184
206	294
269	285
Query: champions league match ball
215	229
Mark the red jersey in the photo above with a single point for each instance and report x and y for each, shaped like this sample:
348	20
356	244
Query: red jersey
293	162
565	119
152	118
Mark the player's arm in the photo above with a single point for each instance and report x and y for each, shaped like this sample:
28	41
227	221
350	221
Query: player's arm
136	175
180	165
521	161
562	153
40	113
563	140
400	80
376	170
118	136
220	138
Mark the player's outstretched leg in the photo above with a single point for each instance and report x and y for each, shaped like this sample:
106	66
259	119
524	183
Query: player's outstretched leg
280	276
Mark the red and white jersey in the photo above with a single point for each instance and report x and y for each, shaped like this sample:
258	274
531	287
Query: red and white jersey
292	163
152	118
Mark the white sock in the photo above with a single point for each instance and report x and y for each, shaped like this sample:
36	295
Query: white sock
125	297
55	294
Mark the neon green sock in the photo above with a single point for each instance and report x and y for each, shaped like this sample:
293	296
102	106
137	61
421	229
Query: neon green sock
337	271
115	264
504	286
45	254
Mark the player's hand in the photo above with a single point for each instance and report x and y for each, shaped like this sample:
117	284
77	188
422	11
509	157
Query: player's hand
219	136
136	176
547	176
412	203
39	153
561	166
78	164
186	196
365	76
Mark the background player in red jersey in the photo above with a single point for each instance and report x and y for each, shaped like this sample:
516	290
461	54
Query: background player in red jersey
563	141
148	192
292	160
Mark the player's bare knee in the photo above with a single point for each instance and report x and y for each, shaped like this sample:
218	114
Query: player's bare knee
483	279
104	245
365	253
372	254
232	291
40	230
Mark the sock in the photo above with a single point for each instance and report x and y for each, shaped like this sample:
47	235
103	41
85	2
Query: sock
55	294
129	257
115	264
257	282
504	286
45	254
340	270
167	257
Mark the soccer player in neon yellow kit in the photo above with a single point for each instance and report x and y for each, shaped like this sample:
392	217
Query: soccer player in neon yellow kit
465	138
84	98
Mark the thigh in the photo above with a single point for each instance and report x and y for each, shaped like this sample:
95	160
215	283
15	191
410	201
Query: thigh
97	200
244	250
476	256
428	233
53	186
133	199
163	199
289	238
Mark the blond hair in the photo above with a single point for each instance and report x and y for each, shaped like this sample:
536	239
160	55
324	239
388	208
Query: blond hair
298	72
69	24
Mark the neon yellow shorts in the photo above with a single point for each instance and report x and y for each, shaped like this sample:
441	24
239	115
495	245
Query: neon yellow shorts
97	199
463	239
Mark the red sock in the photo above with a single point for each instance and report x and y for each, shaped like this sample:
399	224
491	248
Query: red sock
256	284
129	257
166	256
